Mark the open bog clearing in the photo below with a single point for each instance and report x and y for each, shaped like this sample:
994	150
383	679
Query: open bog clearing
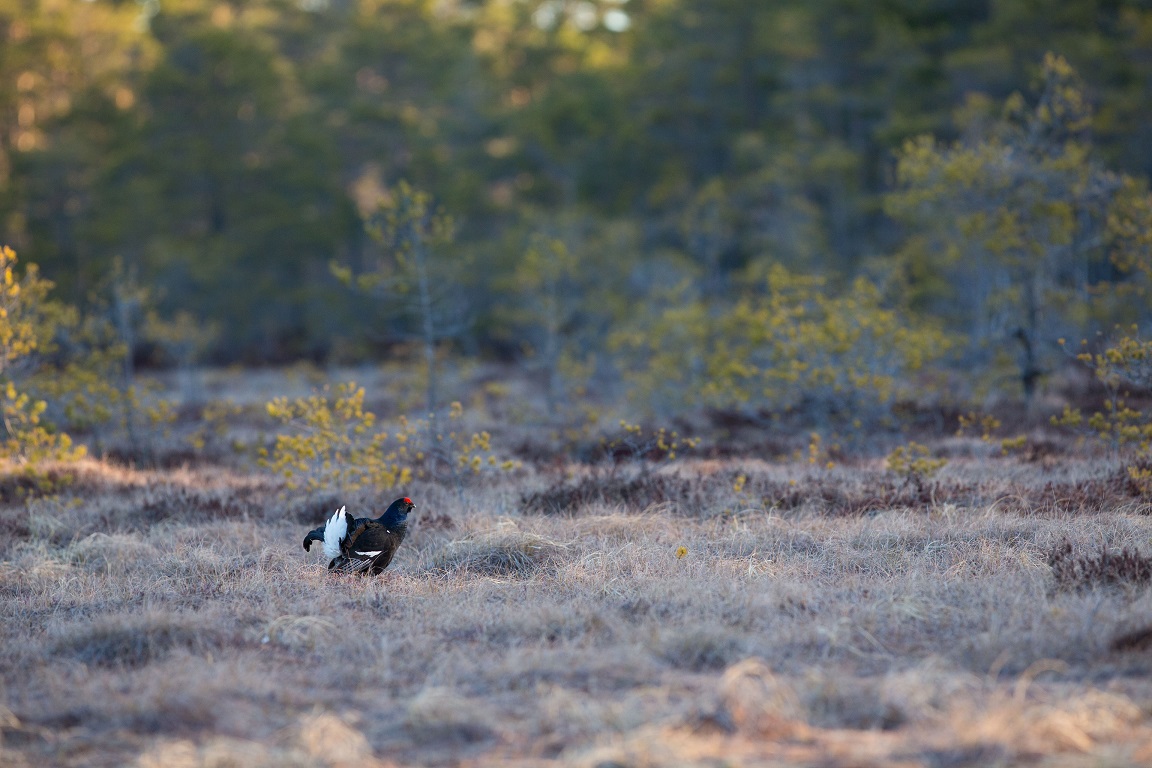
708	612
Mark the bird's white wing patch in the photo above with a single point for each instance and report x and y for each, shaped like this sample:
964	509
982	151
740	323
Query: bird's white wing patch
369	554
334	532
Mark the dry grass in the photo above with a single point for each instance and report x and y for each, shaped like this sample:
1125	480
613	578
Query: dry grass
505	553
132	640
1000	615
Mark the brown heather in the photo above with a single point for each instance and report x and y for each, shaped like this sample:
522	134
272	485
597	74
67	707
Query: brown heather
998	614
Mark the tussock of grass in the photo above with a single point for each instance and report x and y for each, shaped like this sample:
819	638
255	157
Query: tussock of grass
440	715
315	741
299	632
14	527
133	641
754	700
511	554
700	649
1075	570
204	568
330	739
111	553
837	702
1073	724
553	624
216	753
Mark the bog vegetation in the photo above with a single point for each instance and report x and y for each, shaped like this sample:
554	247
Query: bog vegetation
772	380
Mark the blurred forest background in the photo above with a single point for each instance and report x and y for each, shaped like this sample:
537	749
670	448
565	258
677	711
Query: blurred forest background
825	205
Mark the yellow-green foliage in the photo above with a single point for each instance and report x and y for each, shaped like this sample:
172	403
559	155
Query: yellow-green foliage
215	424
1130	230
656	443
1117	424
85	397
408	221
818	455
1010	444
1126	362
1120	424
26	322
89	390
1141	475
984	423
1004	221
161	414
914	462
794	343
547	267
471	451
28	440
93	385
547	284
335	443
1001	188
21	310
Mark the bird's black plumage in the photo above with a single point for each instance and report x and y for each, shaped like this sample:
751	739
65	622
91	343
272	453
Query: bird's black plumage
362	545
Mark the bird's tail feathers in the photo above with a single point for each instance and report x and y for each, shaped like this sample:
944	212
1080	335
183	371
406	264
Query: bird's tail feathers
345	564
313	535
335	530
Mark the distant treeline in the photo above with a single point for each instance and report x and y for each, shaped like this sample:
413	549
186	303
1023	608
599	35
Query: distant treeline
604	163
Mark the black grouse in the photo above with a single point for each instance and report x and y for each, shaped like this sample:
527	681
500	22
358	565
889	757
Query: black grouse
362	545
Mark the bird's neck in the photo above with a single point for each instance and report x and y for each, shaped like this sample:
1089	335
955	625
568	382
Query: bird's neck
399	527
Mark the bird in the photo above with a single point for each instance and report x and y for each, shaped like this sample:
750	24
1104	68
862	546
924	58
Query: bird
361	544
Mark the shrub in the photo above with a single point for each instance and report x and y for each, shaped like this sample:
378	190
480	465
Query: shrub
334	443
90	382
795	346
984	423
214	426
634	443
914	463
633	493
1077	571
1121	367
27	321
1003	221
